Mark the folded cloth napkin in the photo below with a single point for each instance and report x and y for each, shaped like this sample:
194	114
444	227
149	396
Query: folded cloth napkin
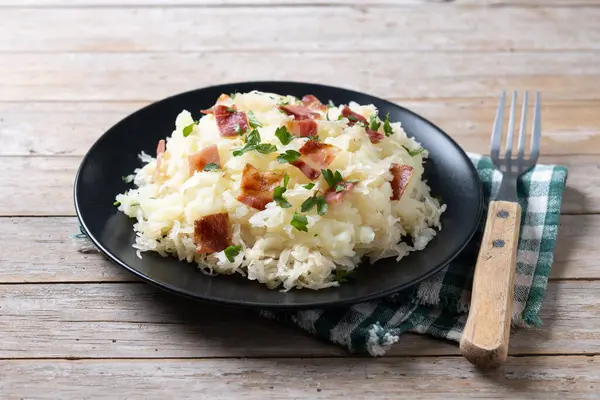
439	305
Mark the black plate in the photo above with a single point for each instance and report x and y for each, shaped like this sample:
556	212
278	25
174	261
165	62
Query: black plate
448	171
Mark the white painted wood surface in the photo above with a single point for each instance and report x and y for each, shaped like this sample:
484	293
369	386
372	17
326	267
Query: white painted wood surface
75	326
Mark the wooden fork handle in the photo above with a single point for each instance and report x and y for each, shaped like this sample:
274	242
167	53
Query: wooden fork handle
484	341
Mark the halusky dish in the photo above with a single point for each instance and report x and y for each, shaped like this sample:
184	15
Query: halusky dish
289	192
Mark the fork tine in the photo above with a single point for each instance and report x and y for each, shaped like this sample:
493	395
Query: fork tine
511	125
497	129
536	133
522	134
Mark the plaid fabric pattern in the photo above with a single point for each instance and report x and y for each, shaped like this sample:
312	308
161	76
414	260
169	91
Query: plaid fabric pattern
439	305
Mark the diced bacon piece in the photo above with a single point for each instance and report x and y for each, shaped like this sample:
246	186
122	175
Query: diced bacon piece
303	127
334	196
299	112
257	187
353	117
401	176
315	156
311	101
200	159
374	136
212	233
229	121
223	98
160	149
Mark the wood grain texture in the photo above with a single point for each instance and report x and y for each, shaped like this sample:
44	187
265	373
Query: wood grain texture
70	128
486	336
53	177
53	258
389	29
147	76
257	379
132	320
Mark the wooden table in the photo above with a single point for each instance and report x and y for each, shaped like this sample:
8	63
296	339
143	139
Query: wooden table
75	326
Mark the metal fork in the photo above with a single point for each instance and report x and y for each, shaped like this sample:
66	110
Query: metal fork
484	341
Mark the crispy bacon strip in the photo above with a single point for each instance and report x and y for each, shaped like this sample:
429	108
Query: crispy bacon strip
200	159
303	127
160	149
315	156
311	101
229	121
299	112
222	99
333	196
257	187
374	136
212	233
401	176
353	117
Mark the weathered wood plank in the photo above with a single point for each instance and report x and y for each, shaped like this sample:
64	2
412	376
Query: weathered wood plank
70	128
43	185
147	76
371	3
331	378
136	320
52	258
332	29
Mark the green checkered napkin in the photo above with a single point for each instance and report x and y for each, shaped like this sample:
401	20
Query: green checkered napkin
439	305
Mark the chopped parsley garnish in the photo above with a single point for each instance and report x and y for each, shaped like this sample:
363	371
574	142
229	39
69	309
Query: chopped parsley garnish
340	117
413	153
279	191
352	118
332	178
373	123
314	138
211	167
283	103
308	186
253	143
117	203
231	252
288	157
252	120
340	188
283	135
317	200
231	109
189	129
299	222
342	276
238	129
387	128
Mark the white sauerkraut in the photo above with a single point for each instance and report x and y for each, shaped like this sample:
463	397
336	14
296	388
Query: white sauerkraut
365	225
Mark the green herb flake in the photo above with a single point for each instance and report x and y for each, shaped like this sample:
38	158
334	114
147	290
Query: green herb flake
288	157
254	123
373	123
252	143
332	178
286	180
265	148
308	204
238	129
314	138
231	110
211	167
300	222
308	186
413	153
352	118
340	188
117	203
278	197
321	205
189	129
231	252
341	276
387	128
283	135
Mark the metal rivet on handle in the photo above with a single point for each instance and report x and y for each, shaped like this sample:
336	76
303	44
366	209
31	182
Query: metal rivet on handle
502	214
498	243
